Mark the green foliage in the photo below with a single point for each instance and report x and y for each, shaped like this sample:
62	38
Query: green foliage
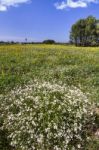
48	42
4	143
85	32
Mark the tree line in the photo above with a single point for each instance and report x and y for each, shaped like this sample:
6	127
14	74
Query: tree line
85	32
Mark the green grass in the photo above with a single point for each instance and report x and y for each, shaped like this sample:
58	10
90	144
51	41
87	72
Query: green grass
77	66
73	65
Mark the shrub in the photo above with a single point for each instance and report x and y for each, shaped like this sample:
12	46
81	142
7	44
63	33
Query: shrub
47	116
49	42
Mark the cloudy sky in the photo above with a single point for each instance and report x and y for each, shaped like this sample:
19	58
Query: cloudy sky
42	19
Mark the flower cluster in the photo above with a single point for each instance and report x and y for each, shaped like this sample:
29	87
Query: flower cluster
46	116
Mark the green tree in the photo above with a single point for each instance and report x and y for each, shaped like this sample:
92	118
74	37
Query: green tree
91	31
84	32
97	31
49	41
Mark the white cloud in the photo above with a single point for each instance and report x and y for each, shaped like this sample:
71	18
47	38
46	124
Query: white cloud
74	4
5	4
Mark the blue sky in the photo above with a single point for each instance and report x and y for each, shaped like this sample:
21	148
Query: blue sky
38	20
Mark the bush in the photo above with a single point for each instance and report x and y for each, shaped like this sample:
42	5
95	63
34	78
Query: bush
49	42
47	116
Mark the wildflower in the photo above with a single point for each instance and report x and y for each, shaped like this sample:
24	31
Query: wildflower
44	113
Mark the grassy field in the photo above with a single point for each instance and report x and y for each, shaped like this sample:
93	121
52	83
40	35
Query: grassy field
72	65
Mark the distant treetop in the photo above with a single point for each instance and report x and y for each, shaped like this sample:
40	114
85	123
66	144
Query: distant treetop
49	41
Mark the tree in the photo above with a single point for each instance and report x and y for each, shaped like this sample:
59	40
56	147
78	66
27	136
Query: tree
84	32
77	35
97	31
91	31
49	41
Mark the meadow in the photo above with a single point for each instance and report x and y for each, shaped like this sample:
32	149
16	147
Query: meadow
58	65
